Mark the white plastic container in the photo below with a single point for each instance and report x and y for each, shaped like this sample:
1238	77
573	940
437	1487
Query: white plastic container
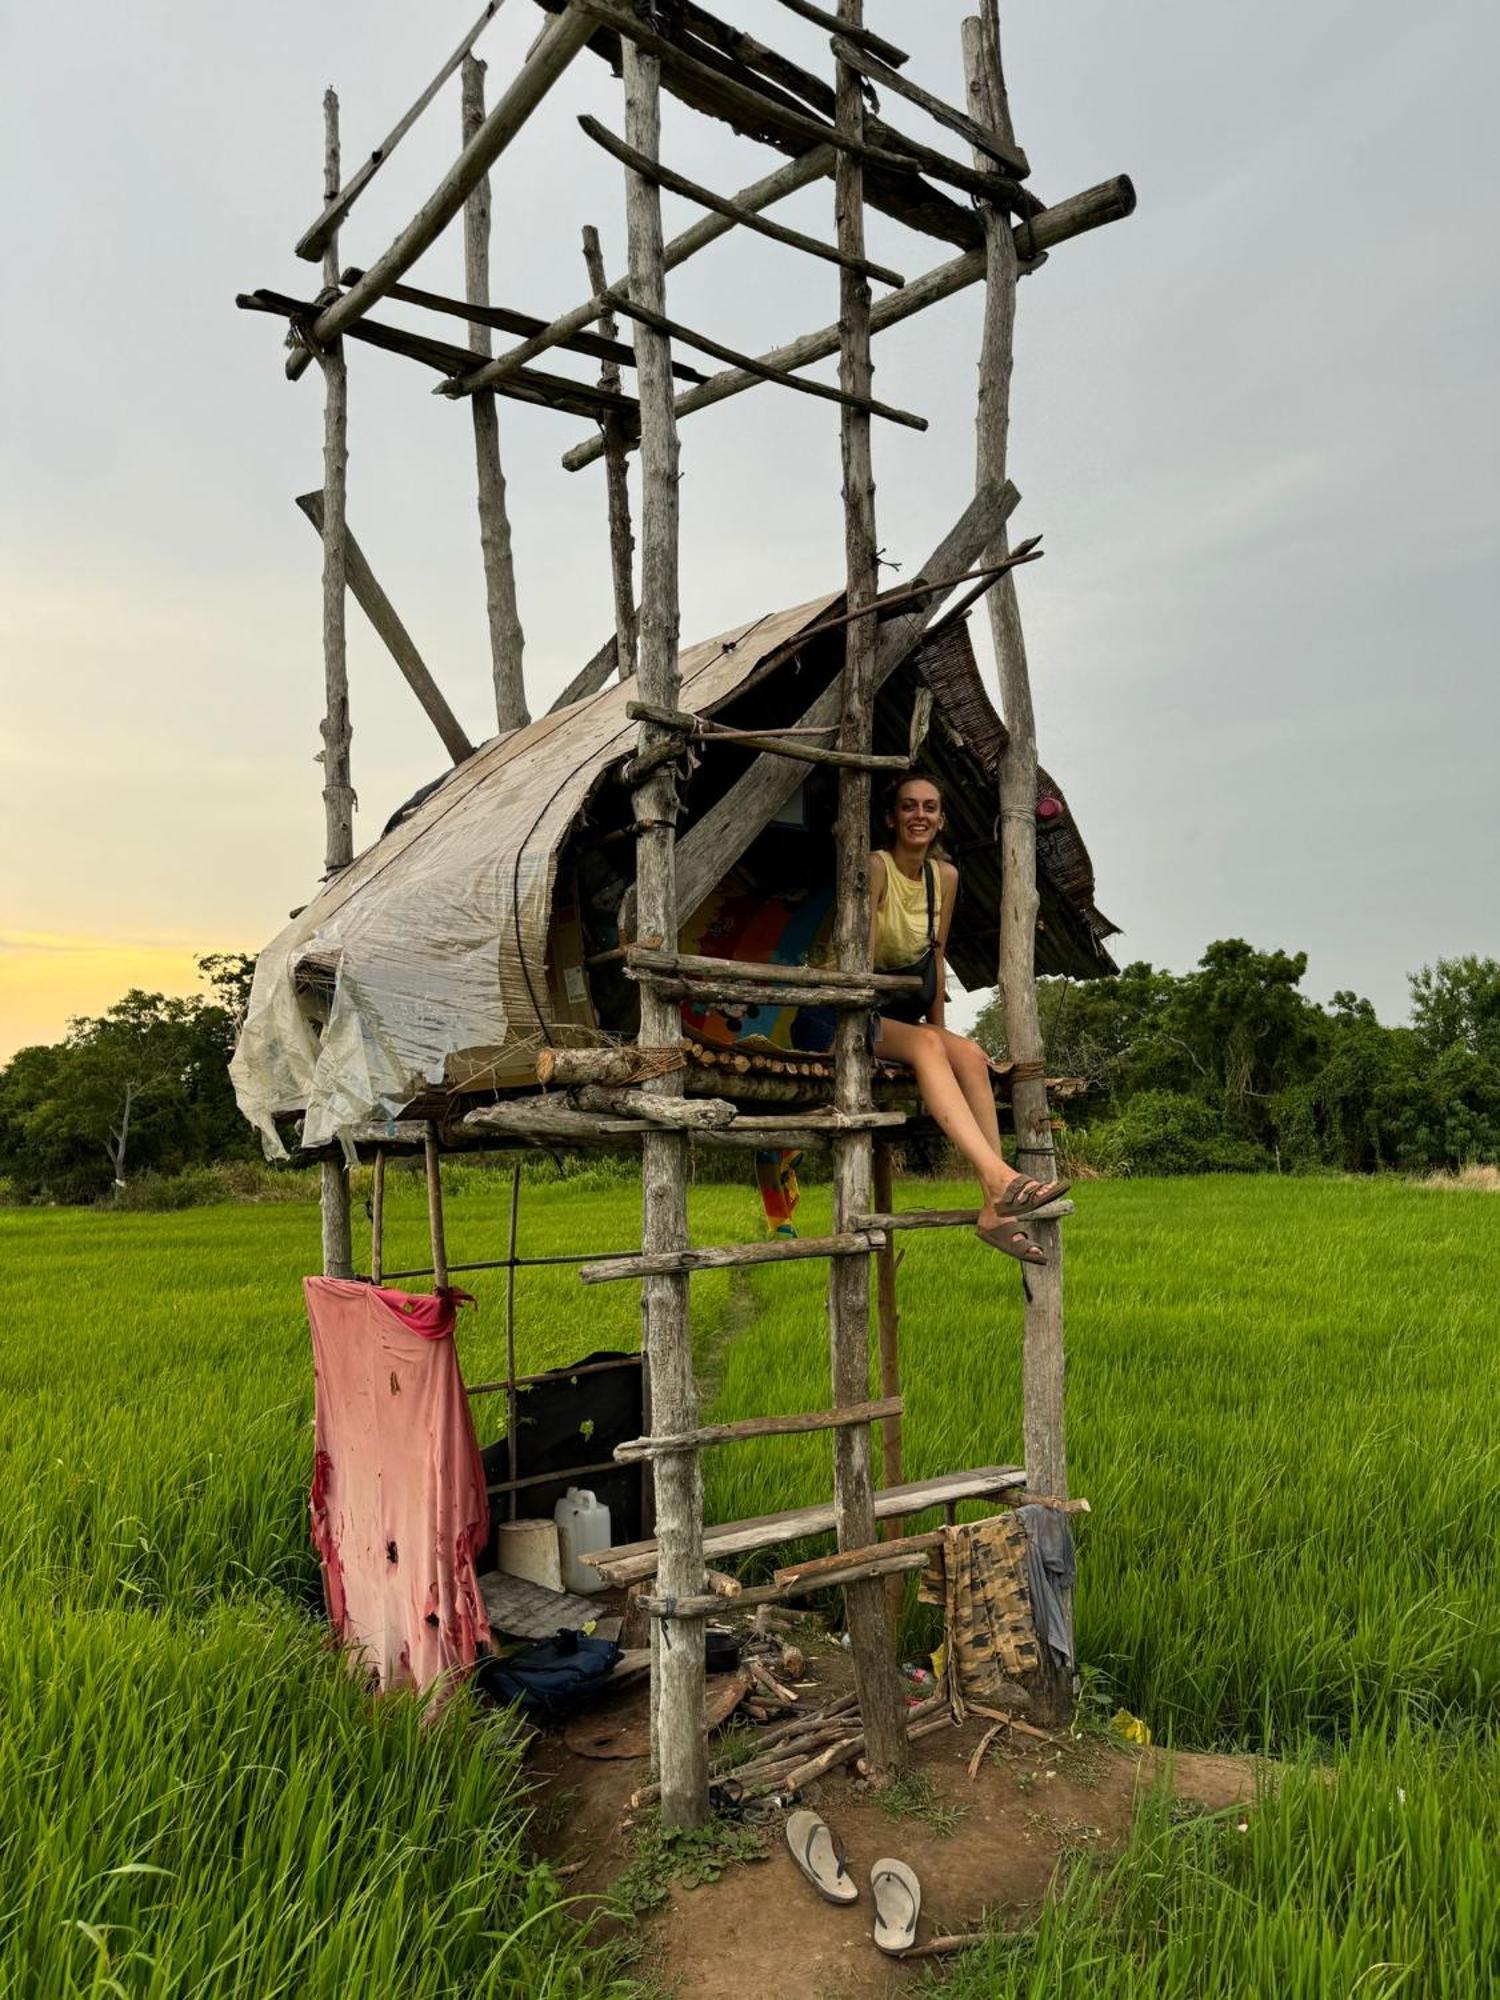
582	1527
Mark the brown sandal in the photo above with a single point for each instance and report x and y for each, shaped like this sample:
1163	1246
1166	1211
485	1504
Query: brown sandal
1011	1242
1041	1194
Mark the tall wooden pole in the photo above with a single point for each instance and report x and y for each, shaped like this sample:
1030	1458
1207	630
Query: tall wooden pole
677	1664
1042	1313
338	792
507	642
616	473
886	1746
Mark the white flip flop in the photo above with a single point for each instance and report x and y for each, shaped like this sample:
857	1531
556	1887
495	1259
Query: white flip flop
898	1904
821	1861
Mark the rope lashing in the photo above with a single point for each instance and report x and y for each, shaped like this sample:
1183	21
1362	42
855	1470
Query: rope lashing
1023	1072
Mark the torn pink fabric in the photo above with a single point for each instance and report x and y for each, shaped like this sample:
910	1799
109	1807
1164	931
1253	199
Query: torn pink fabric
398	1501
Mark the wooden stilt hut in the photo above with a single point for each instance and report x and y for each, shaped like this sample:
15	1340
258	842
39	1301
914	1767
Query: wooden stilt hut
612	924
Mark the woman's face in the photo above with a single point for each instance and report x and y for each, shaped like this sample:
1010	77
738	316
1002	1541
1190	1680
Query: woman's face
917	816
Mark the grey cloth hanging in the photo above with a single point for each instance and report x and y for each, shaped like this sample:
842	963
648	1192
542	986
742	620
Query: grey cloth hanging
1051	1573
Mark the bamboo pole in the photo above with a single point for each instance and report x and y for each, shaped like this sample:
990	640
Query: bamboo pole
1042	1286
1096	206
849	1277
433	1160
616	475
807	167
889	1331
507	641
377	1217
512	1402
338	793
677	1481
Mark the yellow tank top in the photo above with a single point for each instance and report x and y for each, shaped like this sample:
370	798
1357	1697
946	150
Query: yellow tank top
901	924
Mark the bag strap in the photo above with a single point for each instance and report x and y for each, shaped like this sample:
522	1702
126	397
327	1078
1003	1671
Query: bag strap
929	869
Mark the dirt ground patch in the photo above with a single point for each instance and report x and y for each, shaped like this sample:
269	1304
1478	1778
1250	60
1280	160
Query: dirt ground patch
990	1844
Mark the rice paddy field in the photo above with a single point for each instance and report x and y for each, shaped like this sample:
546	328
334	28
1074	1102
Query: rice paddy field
1284	1406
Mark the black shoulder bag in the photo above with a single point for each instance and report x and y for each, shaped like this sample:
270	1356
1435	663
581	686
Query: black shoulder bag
913	1007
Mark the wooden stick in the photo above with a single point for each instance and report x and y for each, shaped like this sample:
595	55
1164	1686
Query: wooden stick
723	205
507	641
704	1114
630	1064
809	166
377	1216
875	1568
764	369
435	1211
616	478
955	1218
1008	1721
880	1703
828	1569
940	1947
1042	1291
693	964
314	241
759	993
1025	552
1080	213
377	607
1007	156
984	1743
588	680
724	1257
864	38
338	793
677	1653
512	1401
506	319
756	1427
888	1326
549	56
558	1476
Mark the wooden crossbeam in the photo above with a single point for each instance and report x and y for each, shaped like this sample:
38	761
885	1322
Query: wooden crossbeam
759	1427
722	205
527	385
505	319
1005	153
730	1256
629	1562
590	678
726	970
377	607
314	241
709	1605
864	38
1108	202
956	1218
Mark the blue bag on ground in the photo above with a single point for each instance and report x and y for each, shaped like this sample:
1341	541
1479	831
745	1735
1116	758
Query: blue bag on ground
553	1679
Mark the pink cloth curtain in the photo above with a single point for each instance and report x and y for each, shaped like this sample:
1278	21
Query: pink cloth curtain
398	1501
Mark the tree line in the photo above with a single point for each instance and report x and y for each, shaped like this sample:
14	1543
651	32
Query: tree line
1232	1068
1227	1068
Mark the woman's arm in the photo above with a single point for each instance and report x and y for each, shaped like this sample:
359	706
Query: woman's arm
948	884
877	897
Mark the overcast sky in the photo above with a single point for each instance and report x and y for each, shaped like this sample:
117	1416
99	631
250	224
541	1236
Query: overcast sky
1256	423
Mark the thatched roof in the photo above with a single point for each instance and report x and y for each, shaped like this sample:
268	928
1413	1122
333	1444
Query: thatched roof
439	944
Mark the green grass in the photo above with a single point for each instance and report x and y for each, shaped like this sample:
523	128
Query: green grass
1283	1404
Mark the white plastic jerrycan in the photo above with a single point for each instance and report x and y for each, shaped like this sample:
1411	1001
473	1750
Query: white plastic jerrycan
582	1527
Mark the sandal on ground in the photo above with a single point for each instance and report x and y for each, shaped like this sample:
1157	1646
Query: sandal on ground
1011	1242
898	1904
819	1858
1025	1194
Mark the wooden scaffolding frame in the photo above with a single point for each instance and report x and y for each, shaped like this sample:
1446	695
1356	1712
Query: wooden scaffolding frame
1001	230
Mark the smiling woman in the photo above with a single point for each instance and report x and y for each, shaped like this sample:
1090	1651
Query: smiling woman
912	895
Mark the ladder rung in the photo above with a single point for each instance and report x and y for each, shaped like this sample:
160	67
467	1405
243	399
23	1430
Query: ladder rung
757	1427
730	1256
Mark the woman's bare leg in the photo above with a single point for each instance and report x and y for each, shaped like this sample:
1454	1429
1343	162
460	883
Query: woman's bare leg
971	1066
925	1053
